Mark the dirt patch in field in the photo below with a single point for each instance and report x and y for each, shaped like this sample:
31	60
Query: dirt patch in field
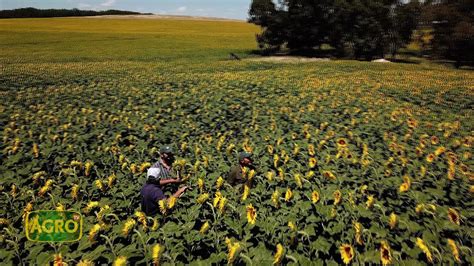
287	59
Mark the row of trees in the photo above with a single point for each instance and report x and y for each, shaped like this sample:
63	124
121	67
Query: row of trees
353	28
31	12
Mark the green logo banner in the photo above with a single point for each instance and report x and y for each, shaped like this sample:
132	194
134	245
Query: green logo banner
53	226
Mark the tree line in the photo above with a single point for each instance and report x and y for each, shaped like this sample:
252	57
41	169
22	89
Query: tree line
31	12
364	29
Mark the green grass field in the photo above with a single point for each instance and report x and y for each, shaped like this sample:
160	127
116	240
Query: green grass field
358	162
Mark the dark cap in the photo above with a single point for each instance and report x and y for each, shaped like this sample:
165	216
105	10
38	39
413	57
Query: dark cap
244	155
166	149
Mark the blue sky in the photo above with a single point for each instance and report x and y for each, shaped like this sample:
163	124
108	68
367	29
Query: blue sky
214	8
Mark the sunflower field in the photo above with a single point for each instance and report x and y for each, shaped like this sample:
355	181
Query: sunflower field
357	163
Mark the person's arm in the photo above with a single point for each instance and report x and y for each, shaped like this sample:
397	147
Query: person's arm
170	181
180	191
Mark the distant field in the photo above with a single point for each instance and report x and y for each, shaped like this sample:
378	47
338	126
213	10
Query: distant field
357	161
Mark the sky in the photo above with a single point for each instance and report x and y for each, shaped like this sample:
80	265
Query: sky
236	9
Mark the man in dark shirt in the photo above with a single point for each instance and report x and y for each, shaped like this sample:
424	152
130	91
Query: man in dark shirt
235	176
159	175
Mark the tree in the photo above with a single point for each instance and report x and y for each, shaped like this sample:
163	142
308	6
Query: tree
358	28
453	25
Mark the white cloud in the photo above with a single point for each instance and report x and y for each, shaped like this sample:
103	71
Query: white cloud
83	5
182	9
108	3
200	10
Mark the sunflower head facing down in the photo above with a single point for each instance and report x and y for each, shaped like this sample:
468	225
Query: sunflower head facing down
385	253
454	216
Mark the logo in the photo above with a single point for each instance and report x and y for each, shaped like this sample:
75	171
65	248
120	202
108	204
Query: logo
53	226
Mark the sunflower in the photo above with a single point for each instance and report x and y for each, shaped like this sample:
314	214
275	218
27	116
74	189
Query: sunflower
155	225
292	226
162	205
94	231
424	248
120	261
370	201
404	187
222	203
275	160
155	253
204	228
311	150
85	263
453	216
251	214
98	183
270	175
419	208
347	253
275	198
434	140
315	196
337	197
422	171
358	228
219	182
418	151
454	250
430	158
217	198
279	254
202	198
201	184
440	150
129	224
111	179
329	175
58	260
298	180
270	149
88	168
312	162
393	220
35	150
385	253
288	195
341	143
141	217
233	249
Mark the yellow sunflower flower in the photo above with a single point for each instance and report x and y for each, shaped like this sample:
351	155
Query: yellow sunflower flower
347	253
393	220
370	201
279	254
288	195
219	182
315	196
246	192
337	197
251	214
275	198
202	198
421	244
128	226
453	216
120	261
204	228
358	229
156	252
454	250
385	253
